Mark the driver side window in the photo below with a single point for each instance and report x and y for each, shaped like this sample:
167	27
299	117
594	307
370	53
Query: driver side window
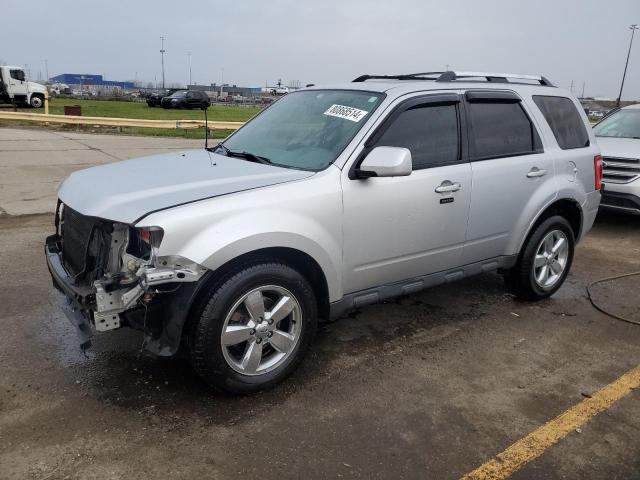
17	75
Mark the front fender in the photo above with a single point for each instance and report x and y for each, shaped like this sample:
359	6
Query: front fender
320	253
256	229
304	215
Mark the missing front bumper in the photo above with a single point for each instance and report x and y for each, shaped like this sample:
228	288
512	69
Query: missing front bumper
92	308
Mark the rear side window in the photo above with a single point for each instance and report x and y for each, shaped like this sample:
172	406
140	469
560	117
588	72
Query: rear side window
429	132
501	129
565	122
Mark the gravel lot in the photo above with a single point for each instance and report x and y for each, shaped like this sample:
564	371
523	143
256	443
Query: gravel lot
429	386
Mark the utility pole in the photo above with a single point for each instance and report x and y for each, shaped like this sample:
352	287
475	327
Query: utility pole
46	68
162	50
633	29
571	87
583	84
189	55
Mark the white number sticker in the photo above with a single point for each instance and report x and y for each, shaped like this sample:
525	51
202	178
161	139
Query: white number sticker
348	113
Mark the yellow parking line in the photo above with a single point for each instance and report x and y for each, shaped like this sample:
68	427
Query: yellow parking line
533	445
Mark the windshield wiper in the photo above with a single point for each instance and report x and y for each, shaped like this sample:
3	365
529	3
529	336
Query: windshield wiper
244	155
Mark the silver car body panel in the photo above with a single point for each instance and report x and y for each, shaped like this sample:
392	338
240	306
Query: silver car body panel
304	215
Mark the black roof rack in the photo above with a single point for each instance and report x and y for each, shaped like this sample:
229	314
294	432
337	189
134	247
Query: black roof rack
451	76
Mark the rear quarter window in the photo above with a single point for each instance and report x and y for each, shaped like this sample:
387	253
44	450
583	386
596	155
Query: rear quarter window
564	120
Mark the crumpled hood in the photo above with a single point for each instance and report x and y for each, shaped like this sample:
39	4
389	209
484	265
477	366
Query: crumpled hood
619	147
127	191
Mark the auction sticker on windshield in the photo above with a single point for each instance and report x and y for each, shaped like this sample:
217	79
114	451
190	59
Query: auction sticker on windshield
348	113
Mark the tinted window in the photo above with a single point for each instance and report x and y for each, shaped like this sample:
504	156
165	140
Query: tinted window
501	130
564	120
17	75
429	132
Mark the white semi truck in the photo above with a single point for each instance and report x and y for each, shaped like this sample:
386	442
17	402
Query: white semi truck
15	88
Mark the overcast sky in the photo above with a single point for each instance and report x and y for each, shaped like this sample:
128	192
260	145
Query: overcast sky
258	41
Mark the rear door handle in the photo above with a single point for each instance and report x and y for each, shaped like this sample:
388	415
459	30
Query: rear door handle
448	186
536	172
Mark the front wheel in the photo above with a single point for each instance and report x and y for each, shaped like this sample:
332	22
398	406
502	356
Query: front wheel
36	101
255	328
545	260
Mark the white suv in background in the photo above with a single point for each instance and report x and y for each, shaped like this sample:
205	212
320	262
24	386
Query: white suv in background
619	138
330	199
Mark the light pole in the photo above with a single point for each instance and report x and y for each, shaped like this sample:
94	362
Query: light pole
162	50
633	29
189	55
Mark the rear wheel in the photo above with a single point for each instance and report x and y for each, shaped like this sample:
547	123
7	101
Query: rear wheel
544	261
255	328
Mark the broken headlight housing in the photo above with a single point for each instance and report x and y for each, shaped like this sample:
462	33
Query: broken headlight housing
144	243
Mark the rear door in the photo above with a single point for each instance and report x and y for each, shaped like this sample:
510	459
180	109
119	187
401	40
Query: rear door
509	168
397	228
192	99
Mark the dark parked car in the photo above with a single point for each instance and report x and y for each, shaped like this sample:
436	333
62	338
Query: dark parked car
155	98
187	99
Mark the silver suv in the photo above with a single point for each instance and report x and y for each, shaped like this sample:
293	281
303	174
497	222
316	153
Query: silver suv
331	199
619	137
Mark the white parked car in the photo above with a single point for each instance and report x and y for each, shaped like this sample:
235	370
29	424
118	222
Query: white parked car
619	138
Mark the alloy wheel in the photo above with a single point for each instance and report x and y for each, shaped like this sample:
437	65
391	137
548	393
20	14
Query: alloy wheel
261	330
551	259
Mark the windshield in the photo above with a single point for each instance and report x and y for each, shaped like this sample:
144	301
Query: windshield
179	94
306	130
624	124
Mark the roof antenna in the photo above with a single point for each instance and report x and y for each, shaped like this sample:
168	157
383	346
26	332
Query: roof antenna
206	131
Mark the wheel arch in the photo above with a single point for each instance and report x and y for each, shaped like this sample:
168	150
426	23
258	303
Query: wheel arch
292	257
36	94
297	259
568	208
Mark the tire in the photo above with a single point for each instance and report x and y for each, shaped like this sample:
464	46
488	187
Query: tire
232	367
540	272
204	106
36	101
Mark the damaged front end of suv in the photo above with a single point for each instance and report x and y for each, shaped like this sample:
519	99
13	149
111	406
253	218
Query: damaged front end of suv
109	275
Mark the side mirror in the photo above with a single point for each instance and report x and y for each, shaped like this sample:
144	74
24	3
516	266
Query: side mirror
386	162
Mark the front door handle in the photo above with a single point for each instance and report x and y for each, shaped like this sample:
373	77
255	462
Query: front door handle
536	172
448	186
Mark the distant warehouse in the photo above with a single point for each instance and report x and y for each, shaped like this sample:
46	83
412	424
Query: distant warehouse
87	80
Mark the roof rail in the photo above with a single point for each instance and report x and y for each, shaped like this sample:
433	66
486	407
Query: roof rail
407	76
451	76
493	77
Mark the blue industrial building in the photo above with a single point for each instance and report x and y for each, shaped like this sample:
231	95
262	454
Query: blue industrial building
89	80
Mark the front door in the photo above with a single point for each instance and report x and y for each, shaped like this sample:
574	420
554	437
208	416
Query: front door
397	228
